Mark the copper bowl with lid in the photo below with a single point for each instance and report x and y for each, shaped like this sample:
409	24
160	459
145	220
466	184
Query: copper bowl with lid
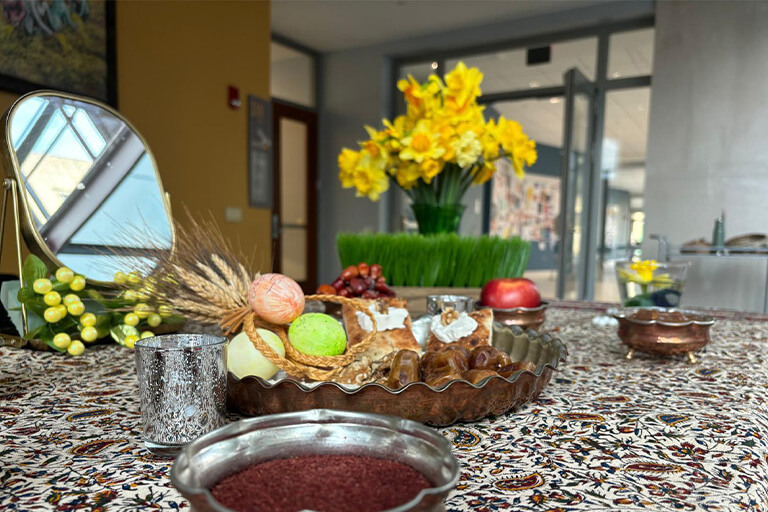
459	400
525	318
225	451
663	331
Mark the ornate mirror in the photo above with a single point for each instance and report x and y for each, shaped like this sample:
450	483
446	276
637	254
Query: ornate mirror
90	194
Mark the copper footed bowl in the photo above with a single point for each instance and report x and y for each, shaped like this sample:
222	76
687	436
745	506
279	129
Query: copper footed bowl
663	331
525	318
457	401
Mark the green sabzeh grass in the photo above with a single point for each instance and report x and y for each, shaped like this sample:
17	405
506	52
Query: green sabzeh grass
445	260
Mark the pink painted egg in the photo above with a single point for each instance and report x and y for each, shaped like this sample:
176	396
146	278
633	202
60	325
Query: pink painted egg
276	298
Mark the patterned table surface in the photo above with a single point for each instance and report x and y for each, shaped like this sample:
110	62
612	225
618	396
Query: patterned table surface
606	433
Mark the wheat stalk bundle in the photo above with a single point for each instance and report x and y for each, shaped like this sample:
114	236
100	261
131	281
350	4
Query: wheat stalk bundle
204	277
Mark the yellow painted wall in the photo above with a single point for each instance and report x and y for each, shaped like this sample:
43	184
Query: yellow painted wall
174	63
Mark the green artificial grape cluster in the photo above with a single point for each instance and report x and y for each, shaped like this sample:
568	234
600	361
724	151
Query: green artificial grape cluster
76	314
71	306
137	291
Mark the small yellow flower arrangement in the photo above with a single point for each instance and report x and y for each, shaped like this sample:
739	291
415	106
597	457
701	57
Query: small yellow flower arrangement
439	148
641	285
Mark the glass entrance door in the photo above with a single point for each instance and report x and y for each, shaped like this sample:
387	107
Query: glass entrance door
578	223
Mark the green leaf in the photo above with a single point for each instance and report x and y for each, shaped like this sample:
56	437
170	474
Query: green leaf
46	334
62	288
54	347
33	269
64	325
35	333
26	295
109	303
119	333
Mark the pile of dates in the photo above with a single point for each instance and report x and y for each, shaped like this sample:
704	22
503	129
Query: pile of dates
359	280
453	362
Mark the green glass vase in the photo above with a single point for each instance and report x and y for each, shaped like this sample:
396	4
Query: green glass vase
434	219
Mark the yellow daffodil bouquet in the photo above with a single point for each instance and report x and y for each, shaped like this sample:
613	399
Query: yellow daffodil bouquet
435	152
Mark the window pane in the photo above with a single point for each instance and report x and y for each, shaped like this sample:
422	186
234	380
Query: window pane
530	207
419	71
631	53
509	71
294	260
292	75
623	167
293	171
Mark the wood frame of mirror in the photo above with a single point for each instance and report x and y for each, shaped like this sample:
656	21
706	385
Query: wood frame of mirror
10	165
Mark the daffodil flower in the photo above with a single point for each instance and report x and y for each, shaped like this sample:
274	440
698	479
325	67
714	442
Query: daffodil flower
644	270
442	136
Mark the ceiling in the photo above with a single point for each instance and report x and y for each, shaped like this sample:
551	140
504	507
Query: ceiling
328	25
332	25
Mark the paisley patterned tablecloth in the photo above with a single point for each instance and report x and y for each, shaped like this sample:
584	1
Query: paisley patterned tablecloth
606	434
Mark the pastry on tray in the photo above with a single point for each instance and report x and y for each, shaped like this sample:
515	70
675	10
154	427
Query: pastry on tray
393	326
469	330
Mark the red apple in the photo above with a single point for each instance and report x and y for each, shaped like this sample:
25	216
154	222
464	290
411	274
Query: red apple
510	292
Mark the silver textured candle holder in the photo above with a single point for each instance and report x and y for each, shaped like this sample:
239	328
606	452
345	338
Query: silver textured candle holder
183	389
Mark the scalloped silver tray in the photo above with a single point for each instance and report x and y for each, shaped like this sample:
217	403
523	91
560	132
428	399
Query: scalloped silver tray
459	400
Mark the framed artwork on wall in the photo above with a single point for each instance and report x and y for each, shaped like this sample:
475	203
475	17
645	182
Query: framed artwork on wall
66	45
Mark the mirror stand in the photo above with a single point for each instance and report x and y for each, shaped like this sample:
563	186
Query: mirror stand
10	186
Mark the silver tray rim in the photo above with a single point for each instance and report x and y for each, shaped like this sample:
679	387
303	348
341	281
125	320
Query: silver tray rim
317	416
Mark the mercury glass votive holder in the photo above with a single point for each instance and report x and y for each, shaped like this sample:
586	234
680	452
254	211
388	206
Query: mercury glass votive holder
183	389
436	304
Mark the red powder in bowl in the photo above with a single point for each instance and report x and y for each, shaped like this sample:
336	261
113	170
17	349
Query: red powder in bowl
325	483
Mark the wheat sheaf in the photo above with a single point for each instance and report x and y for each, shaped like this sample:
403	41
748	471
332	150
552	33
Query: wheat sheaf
204	277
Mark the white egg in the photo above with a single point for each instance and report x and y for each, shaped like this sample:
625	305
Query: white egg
244	359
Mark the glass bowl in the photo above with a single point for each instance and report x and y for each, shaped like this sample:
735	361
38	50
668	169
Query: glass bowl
651	284
214	456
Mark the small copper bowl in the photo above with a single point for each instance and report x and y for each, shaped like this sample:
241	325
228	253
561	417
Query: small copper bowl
525	318
663	331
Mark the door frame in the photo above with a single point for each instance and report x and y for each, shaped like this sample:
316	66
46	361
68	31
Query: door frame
578	84
280	110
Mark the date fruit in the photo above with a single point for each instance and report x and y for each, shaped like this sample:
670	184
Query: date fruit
487	358
404	369
448	361
361	280
326	289
476	376
506	371
348	273
441	380
357	285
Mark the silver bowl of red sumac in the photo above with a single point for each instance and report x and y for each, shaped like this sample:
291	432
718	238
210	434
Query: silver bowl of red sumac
319	460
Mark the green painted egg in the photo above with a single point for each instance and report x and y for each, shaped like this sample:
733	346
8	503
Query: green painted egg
316	334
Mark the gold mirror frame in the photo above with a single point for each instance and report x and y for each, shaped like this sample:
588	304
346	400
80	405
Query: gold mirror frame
12	169
24	225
